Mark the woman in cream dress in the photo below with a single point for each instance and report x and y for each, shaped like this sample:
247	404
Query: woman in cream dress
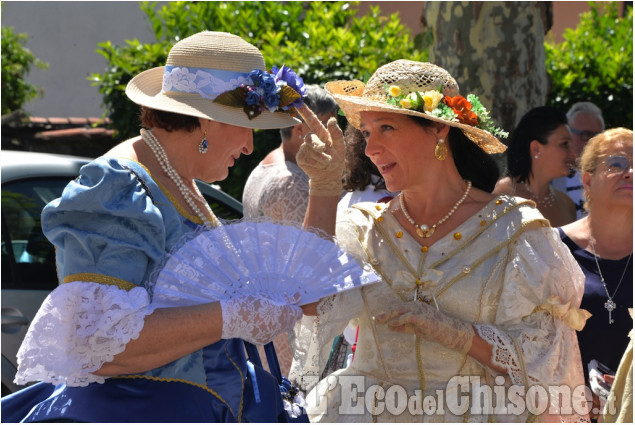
479	304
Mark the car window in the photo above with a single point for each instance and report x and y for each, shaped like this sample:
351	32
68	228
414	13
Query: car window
28	258
222	210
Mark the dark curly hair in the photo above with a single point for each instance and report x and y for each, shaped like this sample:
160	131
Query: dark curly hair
169	121
358	167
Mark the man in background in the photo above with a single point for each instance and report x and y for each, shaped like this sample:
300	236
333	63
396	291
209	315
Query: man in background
585	121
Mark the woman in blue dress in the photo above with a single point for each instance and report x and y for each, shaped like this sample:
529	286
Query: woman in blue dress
100	349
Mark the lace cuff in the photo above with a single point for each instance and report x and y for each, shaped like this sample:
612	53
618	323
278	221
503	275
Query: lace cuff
79	327
504	353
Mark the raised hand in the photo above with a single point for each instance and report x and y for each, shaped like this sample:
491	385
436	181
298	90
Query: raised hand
429	323
321	156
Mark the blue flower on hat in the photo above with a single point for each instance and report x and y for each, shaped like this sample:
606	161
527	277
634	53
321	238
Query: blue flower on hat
287	76
272	101
278	91
256	76
268	84
253	98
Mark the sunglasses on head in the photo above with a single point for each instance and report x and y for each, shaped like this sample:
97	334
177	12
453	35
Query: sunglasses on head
618	164
584	134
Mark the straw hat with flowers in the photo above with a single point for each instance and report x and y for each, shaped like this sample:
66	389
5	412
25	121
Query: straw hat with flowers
418	89
219	76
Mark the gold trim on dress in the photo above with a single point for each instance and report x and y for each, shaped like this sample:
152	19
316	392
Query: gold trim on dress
101	279
182	381
511	205
242	385
193	218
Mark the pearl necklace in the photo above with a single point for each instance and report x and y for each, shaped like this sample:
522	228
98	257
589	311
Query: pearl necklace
546	201
424	231
609	305
162	157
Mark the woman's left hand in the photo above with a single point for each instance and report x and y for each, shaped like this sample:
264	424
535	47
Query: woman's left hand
321	156
429	323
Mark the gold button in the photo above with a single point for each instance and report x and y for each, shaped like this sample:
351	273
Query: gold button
483	222
424	249
457	236
399	234
380	219
418	282
499	201
378	207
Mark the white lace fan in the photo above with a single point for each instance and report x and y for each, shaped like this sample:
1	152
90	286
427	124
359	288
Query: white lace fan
255	257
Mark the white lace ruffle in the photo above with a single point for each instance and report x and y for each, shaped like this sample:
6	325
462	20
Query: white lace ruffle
504	354
79	327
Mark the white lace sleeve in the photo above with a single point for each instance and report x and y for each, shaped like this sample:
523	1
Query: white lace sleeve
79	327
533	337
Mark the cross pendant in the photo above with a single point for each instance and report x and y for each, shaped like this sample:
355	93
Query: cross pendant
610	306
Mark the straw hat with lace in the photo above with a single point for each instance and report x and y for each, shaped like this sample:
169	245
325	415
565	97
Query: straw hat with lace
401	78
198	69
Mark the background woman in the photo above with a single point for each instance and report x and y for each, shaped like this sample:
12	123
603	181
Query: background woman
469	280
111	355
539	151
602	243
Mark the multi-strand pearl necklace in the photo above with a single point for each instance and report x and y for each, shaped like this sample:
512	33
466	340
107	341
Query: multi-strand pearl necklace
162	157
546	201
423	230
609	305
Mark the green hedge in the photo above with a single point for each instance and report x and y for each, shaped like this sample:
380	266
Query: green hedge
17	61
595	63
322	41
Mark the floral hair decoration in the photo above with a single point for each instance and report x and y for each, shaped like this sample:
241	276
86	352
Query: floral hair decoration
468	111
280	90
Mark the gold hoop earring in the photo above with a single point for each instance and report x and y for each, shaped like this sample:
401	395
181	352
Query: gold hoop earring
441	150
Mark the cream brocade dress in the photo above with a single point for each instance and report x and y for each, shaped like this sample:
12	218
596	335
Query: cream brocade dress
504	270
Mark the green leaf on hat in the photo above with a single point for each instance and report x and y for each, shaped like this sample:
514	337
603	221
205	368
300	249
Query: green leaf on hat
236	98
287	96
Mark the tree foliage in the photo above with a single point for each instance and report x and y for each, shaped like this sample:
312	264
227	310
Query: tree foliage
321	41
595	63
17	61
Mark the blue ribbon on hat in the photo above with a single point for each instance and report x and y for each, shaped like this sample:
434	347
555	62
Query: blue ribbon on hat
207	82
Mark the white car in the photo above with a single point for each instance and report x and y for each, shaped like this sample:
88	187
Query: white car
30	181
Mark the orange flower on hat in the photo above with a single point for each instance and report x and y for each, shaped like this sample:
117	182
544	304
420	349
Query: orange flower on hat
463	110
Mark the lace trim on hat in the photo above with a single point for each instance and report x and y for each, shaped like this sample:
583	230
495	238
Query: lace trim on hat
207	82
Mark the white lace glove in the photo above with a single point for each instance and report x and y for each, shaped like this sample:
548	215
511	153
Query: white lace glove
321	156
258	318
426	321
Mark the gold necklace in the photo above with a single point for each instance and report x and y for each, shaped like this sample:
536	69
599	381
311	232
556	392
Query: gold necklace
609	305
423	230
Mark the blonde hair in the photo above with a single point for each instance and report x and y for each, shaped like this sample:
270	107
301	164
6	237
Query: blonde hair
597	149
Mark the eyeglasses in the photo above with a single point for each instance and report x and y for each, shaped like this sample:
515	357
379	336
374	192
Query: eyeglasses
618	164
584	134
